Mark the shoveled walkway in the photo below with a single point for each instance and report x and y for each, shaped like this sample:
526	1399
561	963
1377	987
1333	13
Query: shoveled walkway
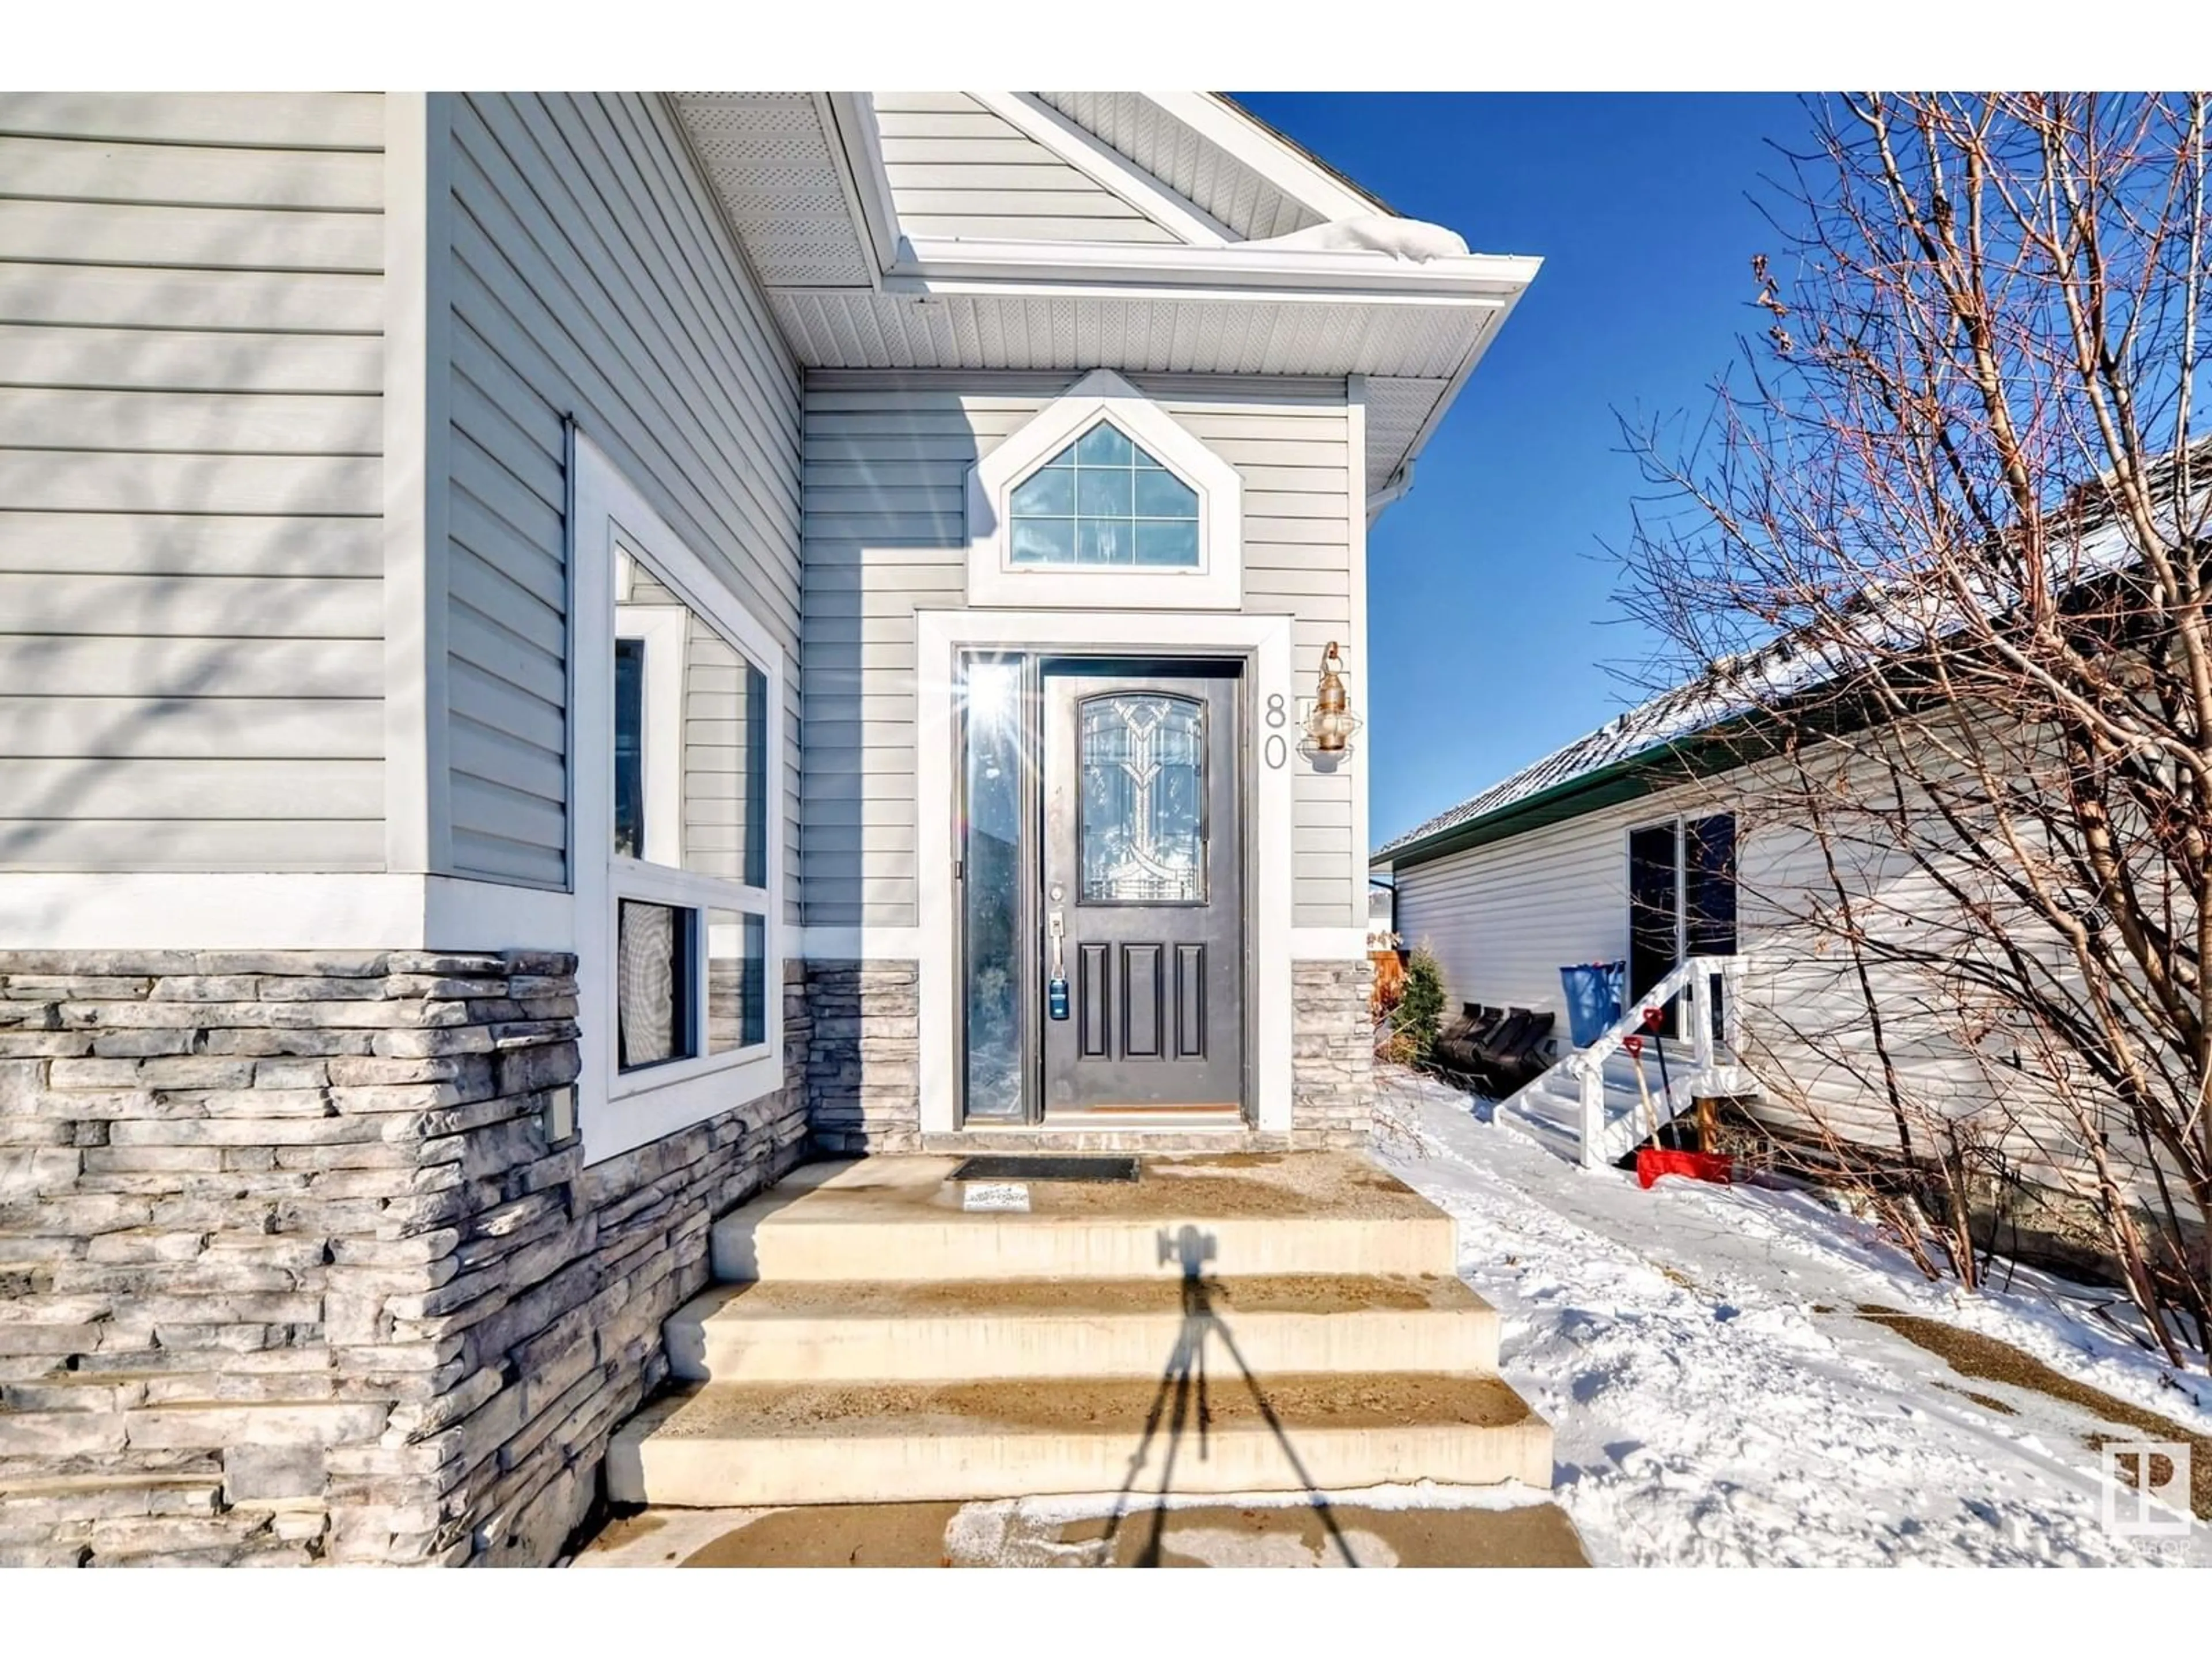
1040	1532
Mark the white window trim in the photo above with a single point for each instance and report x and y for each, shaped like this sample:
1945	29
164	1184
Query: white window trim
619	1111
1217	583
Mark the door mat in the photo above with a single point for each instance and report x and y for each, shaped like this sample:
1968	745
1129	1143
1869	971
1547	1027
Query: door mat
1015	1168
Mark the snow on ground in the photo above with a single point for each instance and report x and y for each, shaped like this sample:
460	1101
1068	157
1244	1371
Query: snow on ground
1704	1413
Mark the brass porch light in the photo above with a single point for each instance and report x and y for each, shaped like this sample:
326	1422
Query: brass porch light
1331	723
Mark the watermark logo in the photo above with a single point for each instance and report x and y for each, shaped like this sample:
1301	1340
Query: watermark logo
2146	1488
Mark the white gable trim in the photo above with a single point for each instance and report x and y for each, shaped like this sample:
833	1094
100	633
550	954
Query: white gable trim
1281	166
1106	166
1217	584
852	118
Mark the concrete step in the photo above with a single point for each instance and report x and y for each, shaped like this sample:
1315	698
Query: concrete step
1228	1215
957	1330
757	1443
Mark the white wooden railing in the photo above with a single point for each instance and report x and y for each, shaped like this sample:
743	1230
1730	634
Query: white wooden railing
1600	1143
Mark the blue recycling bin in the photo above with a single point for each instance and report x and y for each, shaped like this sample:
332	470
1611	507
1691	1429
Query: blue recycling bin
1593	991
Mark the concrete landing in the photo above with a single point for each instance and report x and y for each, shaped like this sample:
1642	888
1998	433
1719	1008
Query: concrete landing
1064	1533
1257	1214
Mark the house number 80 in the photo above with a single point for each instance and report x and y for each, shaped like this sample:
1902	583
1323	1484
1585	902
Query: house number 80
1276	751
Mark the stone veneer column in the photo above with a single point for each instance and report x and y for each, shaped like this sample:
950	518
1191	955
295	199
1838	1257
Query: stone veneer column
289	1271
864	1065
1332	1054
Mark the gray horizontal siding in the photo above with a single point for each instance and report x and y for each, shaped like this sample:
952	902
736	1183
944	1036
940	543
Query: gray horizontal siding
956	169
886	535
590	274
191	369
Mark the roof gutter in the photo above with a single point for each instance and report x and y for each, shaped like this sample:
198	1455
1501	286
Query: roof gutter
930	262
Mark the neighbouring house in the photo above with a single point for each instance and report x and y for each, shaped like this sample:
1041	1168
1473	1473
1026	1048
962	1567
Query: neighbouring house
559	652
1676	845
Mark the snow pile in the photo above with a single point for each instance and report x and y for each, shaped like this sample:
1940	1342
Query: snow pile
1715	1398
1373	233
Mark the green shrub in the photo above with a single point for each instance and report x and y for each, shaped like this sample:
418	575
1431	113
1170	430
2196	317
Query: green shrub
1420	1007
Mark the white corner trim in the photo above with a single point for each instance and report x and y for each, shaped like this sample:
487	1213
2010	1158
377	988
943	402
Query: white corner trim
417	831
939	637
144	910
1232	131
852	118
1217	583
1360	687
1106	166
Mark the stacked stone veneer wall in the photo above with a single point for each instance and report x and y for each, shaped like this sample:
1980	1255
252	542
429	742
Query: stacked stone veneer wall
864	1070
864	1062
290	1272
1332	1054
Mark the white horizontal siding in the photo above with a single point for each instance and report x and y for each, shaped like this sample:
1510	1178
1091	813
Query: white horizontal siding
191	370
886	461
1503	919
591	275
956	169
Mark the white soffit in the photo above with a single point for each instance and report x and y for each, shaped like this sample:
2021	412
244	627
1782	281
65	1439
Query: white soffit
1397	411
1133	125
1197	335
772	159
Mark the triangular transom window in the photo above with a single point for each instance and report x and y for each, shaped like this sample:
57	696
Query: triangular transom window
1103	501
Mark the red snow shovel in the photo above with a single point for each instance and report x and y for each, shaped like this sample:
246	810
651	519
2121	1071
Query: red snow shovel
1652	1161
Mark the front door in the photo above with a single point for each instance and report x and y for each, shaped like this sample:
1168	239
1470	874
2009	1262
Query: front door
1143	876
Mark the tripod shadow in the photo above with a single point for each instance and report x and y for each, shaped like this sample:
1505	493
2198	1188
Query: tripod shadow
1183	1401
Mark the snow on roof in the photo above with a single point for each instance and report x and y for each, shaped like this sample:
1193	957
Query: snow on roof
1736	687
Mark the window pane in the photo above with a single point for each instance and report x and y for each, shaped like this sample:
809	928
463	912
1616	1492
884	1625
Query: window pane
1044	541
1143	764
1103	495
1091	504
1163	496
1167	542
1049	494
1102	541
629	748
652	984
1104	446
691	740
737	980
991	888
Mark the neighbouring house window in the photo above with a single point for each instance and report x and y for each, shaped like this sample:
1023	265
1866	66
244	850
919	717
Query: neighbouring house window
1103	501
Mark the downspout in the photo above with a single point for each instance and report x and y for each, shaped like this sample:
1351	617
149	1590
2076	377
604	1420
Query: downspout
1400	482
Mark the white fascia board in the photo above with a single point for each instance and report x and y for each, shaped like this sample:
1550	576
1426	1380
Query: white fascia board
1402	475
1235	267
853	120
1230	129
1106	166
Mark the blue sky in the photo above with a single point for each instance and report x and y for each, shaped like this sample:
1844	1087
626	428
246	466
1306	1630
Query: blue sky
1490	589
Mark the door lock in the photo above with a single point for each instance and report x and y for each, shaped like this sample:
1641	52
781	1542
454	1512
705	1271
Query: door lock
1055	989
